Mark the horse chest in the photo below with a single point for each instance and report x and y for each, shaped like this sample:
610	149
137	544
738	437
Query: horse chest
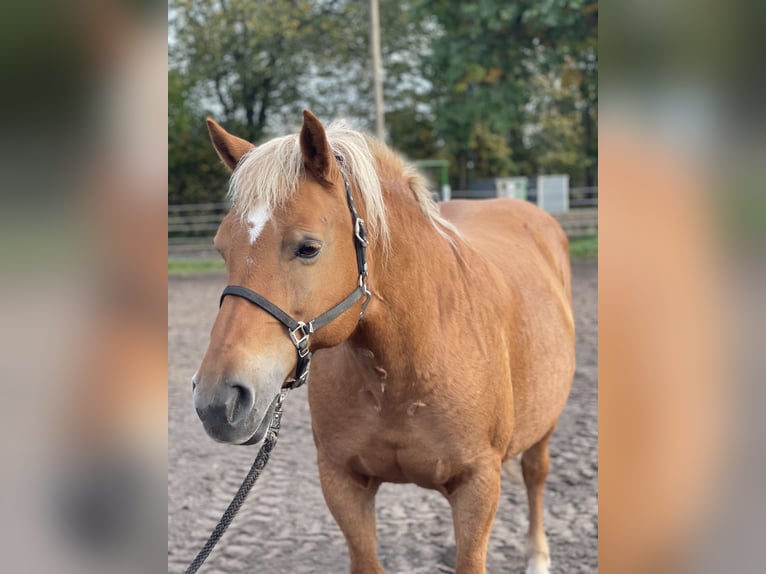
417	462
376	424
402	444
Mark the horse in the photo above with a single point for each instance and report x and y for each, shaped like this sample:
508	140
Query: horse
443	338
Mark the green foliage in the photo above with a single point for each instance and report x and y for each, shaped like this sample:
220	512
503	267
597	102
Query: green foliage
558	137
583	247
500	87
249	59
195	174
412	133
243	63
492	155
483	69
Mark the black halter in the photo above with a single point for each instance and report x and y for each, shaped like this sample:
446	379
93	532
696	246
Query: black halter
300	331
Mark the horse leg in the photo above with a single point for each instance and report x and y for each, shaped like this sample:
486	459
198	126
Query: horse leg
351	500
474	503
534	466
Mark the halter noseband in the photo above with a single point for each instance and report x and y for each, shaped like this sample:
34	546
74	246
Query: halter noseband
298	330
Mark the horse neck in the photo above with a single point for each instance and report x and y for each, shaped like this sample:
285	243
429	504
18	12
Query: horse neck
419	289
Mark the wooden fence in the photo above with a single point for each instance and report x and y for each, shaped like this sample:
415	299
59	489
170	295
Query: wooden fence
191	227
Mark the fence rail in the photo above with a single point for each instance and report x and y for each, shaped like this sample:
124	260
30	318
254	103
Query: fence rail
198	207
579	222
191	227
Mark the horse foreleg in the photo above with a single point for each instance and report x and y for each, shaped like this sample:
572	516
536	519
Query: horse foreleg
351	500
474	504
534	466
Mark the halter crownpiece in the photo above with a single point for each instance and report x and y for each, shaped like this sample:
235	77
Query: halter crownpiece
298	330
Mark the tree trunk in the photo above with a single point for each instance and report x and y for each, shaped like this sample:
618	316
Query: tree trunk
249	105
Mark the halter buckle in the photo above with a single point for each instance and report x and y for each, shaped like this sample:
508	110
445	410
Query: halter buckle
360	231
300	337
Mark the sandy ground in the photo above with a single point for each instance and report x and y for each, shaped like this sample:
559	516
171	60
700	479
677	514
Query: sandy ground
285	527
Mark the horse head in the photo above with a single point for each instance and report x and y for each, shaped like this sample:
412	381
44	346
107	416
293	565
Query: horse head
290	239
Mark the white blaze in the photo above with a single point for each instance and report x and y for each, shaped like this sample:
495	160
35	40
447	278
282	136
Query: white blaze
256	220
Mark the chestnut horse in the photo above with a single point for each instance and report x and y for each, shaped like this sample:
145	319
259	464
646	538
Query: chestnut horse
464	356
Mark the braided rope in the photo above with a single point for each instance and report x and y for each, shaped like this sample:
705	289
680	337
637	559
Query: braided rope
255	471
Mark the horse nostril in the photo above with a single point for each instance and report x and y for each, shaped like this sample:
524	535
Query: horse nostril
194	384
240	403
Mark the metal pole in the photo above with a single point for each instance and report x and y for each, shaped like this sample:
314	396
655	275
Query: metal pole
377	69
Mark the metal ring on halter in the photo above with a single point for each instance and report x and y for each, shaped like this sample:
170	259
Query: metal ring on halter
305	330
367	297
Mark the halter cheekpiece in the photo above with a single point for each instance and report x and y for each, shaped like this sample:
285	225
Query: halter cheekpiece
300	331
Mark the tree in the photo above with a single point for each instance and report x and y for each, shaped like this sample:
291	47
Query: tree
253	61
482	69
255	65
252	66
507	87
195	174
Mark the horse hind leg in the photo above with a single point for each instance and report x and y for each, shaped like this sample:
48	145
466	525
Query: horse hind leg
534	466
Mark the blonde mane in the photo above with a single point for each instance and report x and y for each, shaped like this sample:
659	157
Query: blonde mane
270	173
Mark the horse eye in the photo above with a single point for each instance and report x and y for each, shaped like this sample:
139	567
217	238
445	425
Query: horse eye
308	250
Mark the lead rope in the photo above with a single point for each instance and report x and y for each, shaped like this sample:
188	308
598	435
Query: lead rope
255	471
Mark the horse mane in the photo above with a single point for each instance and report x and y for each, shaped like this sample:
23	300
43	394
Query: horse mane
269	173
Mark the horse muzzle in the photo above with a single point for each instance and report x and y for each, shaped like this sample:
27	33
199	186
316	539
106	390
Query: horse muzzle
234	412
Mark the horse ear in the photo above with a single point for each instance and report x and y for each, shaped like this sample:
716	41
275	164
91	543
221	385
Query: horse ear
229	148
317	153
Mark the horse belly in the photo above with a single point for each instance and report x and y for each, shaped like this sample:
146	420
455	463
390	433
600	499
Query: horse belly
540	394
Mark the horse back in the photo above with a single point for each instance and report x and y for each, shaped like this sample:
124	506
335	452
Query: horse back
515	236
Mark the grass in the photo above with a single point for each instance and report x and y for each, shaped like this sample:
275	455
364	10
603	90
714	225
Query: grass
583	247
195	266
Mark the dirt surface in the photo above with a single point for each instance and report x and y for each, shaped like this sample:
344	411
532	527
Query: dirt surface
285	527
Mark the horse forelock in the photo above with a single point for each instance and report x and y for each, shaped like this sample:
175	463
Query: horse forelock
269	174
